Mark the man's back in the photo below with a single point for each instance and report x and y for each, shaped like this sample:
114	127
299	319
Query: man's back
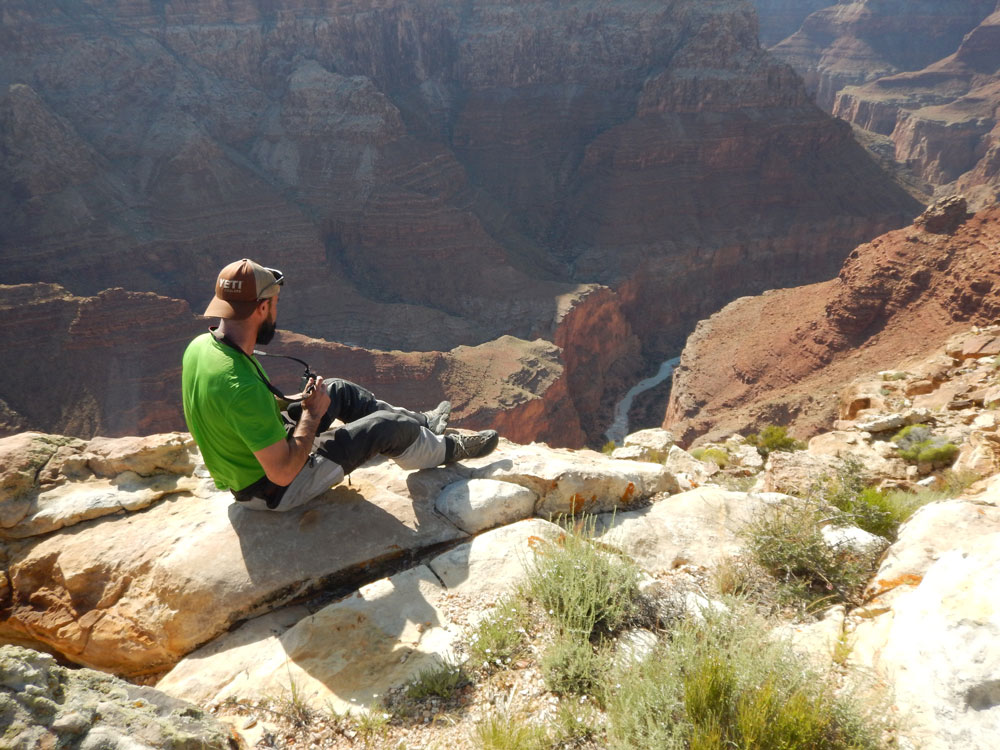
229	411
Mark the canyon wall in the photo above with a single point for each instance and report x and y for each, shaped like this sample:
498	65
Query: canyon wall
782	18
941	121
782	357
428	176
854	42
111	365
919	81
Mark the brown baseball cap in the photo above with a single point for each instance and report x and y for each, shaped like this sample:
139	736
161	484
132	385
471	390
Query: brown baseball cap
240	286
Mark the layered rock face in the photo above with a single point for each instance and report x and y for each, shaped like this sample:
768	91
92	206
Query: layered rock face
942	120
854	42
920	80
782	357
782	18
111	365
426	176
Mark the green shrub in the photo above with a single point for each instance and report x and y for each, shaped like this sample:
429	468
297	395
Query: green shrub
576	724
570	665
725	683
774	438
718	456
608	448
786	540
585	591
442	681
880	512
501	731
917	444
500	636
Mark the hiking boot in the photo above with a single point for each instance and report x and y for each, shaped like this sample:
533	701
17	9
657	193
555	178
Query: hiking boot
461	447
437	419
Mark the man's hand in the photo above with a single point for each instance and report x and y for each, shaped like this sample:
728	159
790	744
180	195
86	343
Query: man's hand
316	399
283	460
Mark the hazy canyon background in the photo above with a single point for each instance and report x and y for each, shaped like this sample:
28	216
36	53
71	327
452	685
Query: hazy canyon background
523	207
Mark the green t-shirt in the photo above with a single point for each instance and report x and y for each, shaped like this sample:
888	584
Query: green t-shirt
229	411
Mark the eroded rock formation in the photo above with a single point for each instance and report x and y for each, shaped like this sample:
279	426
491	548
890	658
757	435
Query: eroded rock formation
857	41
920	82
781	358
782	18
427	178
110	365
941	121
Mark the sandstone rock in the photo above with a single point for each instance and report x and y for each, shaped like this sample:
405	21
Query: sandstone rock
979	454
634	646
932	531
630	453
22	458
920	387
475	505
654	440
45	705
986	422
822	640
350	652
110	475
944	216
70	504
795	473
568	482
938	649
494	561
173	453
879	459
679	461
747	457
345	655
882	423
854	539
133	593
700	527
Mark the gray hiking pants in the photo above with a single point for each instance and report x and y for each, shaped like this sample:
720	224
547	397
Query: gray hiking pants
371	428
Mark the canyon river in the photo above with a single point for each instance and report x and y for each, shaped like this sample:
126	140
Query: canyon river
619	425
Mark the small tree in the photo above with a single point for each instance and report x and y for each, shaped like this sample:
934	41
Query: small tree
774	438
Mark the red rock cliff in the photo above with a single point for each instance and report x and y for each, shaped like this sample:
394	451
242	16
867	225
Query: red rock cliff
430	177
941	121
781	358
111	365
853	42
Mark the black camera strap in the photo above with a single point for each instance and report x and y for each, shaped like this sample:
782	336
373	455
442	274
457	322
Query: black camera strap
223	339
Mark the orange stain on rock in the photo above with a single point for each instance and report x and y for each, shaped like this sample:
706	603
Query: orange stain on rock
628	494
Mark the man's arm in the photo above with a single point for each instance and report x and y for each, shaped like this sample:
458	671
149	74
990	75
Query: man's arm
283	460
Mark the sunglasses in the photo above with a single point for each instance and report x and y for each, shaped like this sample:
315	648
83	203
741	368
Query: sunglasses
279	280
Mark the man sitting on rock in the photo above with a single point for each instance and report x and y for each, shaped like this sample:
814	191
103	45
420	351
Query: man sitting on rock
233	413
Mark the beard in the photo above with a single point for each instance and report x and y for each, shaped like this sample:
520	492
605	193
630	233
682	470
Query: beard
266	332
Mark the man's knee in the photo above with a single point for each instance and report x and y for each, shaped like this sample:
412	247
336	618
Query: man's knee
381	432
349	401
